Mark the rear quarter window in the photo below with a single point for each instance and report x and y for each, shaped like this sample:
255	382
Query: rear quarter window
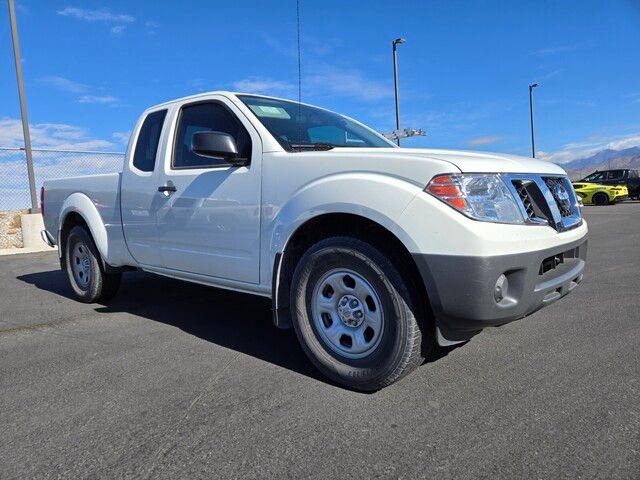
144	156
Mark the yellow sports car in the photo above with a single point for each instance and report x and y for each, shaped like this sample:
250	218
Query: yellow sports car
600	194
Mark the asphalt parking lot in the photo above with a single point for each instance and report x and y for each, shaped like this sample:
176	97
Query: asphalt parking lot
172	380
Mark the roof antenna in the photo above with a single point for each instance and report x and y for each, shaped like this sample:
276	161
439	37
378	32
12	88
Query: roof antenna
299	71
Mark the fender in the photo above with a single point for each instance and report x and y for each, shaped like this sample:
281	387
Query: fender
378	198
82	205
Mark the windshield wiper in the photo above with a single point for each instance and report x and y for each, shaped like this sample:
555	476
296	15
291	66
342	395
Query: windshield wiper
318	146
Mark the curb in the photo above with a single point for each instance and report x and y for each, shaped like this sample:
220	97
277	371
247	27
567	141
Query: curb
18	251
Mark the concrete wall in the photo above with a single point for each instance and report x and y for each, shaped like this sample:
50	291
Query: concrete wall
20	232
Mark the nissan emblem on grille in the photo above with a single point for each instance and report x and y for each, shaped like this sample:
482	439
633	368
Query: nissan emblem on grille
560	194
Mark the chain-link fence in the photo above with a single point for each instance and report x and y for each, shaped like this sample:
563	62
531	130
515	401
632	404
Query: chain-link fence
47	165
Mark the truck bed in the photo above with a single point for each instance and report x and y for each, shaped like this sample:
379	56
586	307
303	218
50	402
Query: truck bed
103	192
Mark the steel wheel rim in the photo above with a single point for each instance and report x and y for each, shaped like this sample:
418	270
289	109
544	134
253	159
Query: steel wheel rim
338	299
81	265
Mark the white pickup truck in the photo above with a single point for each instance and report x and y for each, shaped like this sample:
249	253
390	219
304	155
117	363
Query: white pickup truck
371	252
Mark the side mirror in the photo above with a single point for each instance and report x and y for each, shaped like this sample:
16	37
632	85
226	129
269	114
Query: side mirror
217	145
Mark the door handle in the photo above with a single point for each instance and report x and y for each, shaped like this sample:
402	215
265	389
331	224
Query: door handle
167	189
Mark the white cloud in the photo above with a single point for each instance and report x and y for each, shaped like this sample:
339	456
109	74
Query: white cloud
549	75
50	135
103	16
60	131
346	83
543	52
634	97
14	192
122	137
626	142
484	140
71	86
266	86
97	99
198	84
65	84
587	148
151	26
325	81
95	15
286	49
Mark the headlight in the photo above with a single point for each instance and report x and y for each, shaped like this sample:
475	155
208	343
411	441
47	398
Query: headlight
482	197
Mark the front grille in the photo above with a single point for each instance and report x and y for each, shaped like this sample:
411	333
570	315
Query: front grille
546	200
521	188
558	189
533	201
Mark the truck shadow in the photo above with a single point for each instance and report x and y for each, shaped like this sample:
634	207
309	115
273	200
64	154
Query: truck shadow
233	320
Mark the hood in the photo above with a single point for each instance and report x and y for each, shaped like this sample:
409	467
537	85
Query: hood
468	161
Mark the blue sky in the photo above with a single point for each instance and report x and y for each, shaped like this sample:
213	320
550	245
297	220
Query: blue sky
91	67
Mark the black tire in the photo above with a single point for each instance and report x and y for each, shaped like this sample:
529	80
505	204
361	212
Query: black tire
402	343
600	199
97	285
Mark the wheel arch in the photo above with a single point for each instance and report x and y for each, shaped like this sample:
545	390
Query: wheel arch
336	224
79	210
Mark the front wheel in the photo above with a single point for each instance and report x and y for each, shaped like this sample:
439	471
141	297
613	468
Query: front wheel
355	314
86	274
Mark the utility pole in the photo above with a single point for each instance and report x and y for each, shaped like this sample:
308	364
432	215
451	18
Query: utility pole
23	106
394	44
533	137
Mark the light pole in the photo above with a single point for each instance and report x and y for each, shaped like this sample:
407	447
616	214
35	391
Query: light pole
23	106
395	44
533	136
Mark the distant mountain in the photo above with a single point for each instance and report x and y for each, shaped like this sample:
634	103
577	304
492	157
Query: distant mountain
627	158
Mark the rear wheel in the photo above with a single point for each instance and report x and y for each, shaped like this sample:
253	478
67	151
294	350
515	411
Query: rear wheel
355	315
84	268
601	199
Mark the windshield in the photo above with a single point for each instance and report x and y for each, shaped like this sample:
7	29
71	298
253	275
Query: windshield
316	127
595	177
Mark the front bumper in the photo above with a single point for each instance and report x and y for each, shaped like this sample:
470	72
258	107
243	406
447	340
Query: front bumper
462	289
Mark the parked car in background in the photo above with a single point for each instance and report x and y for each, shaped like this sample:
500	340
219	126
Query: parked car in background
600	194
623	176
371	252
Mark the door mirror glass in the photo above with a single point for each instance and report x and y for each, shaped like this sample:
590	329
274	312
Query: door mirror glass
216	145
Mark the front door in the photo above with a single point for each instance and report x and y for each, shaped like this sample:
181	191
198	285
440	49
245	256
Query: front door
209	223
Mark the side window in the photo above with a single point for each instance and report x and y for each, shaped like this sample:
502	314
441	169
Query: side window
144	156
596	176
203	117
615	175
